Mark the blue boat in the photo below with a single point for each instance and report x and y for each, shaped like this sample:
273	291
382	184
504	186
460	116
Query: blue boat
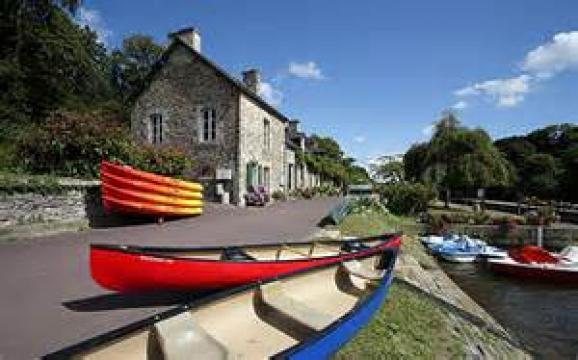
466	249
309	314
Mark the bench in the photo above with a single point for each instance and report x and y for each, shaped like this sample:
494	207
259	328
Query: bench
359	270
274	296
180	338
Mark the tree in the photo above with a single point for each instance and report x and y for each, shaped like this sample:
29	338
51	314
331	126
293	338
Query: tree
414	162
570	165
541	174
357	175
47	61
545	161
458	157
516	149
132	64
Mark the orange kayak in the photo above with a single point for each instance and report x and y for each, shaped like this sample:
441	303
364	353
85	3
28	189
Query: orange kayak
140	207
148	187
134	195
128	172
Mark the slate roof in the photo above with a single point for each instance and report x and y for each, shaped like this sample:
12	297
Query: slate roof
234	81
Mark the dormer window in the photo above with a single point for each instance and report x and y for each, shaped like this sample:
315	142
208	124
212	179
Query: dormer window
208	125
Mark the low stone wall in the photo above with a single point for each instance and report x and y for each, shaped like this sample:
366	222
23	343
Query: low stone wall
554	237
73	200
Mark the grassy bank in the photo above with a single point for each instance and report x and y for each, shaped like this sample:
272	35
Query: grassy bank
411	325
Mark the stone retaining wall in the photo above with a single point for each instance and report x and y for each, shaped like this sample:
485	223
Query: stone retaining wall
555	237
74	200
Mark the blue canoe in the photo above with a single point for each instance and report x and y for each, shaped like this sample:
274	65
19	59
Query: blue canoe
309	314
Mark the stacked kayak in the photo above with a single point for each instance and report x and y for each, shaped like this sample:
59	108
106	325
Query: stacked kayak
132	191
535	263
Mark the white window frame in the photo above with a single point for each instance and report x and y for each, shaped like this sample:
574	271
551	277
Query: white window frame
208	125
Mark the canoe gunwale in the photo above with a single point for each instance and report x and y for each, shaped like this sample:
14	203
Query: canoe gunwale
158	251
109	336
362	303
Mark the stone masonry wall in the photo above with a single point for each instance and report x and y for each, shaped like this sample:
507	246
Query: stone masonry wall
179	91
70	204
251	147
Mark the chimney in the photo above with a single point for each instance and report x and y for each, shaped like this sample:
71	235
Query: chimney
189	36
252	79
294	126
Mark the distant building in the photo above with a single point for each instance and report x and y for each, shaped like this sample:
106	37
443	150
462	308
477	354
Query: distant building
237	139
376	163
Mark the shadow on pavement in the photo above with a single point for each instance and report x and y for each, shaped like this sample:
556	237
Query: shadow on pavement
127	301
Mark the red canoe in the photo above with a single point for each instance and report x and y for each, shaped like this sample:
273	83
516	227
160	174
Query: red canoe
140	269
535	263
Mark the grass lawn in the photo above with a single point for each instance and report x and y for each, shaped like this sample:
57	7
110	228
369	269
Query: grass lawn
408	326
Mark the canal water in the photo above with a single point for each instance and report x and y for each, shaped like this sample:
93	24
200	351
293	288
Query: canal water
543	317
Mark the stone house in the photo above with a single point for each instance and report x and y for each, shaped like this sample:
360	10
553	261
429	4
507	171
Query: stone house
236	138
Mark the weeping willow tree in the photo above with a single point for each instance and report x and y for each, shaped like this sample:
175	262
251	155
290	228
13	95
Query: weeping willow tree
458	157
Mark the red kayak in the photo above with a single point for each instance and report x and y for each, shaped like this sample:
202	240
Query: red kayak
140	269
535	263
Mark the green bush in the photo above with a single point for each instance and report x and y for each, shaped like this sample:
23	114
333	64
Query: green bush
327	190
406	198
74	144
279	195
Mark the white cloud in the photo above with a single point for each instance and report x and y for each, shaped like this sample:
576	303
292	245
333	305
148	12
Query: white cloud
540	64
307	70
460	105
555	56
268	92
93	19
505	92
359	139
428	130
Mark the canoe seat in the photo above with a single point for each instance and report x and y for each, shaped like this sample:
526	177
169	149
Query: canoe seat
181	338
236	254
274	296
357	269
353	246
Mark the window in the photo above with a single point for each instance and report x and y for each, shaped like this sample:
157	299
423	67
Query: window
251	175
266	134
156	128
290	177
209	125
266	178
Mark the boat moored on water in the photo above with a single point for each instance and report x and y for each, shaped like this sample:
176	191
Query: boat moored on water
127	269
309	314
536	263
465	249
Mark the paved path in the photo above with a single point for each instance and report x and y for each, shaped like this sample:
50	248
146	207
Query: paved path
48	301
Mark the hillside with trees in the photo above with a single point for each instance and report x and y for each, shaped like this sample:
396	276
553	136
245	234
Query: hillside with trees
65	99
545	162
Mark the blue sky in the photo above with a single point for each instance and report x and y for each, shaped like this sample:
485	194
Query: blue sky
376	74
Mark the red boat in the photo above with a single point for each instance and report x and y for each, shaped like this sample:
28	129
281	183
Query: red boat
139	269
535	263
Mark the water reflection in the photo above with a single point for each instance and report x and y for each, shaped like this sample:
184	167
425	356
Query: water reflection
543	316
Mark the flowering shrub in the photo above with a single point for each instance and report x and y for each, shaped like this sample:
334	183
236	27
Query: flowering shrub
73	144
